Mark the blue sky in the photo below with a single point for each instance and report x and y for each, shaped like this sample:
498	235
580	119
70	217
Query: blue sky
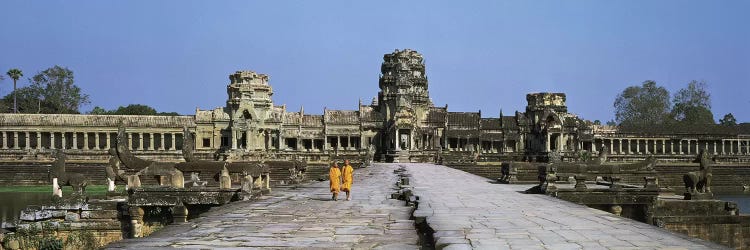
176	55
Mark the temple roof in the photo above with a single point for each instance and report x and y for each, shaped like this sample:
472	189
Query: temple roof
509	122
70	120
312	121
436	115
291	118
463	119
371	115
341	117
490	123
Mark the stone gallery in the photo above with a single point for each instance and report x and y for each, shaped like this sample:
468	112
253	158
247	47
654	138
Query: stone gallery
242	150
401	124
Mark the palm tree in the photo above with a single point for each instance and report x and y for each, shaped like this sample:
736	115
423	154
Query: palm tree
15	74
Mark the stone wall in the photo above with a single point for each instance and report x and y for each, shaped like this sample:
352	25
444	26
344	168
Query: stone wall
712	220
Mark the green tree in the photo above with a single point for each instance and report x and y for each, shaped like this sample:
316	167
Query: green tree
135	109
168	113
58	92
98	111
15	74
132	109
641	106
728	120
52	91
692	105
28	102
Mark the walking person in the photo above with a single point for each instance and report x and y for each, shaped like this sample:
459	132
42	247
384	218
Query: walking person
334	175
347	173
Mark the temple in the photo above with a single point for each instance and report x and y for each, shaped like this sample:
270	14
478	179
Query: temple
401	124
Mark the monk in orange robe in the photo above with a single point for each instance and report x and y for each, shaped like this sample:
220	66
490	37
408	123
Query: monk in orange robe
334	174
348	176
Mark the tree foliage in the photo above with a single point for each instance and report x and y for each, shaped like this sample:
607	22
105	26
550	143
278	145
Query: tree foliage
132	109
692	105
650	105
52	91
15	74
641	106
728	120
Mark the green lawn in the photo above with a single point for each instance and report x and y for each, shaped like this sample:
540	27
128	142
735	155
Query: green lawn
91	189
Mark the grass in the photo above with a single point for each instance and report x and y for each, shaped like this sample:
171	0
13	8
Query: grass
91	189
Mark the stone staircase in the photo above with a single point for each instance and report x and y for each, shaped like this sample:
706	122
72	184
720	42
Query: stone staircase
402	156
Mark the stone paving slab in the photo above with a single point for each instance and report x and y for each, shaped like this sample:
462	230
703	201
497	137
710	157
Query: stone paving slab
468	211
301	218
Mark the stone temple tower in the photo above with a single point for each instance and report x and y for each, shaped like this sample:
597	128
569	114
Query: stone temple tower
403	98
248	105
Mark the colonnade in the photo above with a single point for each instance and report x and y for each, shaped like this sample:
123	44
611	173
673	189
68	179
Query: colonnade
86	140
350	144
674	146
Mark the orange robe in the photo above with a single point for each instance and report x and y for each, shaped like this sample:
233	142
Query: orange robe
335	176
348	177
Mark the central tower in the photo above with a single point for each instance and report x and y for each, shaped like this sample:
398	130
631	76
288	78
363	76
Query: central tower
249	105
403	98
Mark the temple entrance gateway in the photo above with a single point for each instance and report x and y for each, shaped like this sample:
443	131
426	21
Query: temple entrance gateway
404	139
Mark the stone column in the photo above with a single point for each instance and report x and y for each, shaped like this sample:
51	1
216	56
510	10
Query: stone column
671	147
174	141
714	147
722	146
637	146
690	147
75	140
140	141
664	146
161	141
547	143
150	141
398	141
233	138
619	146
96	141
653	148
64	140
5	140
15	140
269	140
85	140
651	145
611	146
247	139
51	140
39	140
680	147
130	141
338	142
107	144
27	140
